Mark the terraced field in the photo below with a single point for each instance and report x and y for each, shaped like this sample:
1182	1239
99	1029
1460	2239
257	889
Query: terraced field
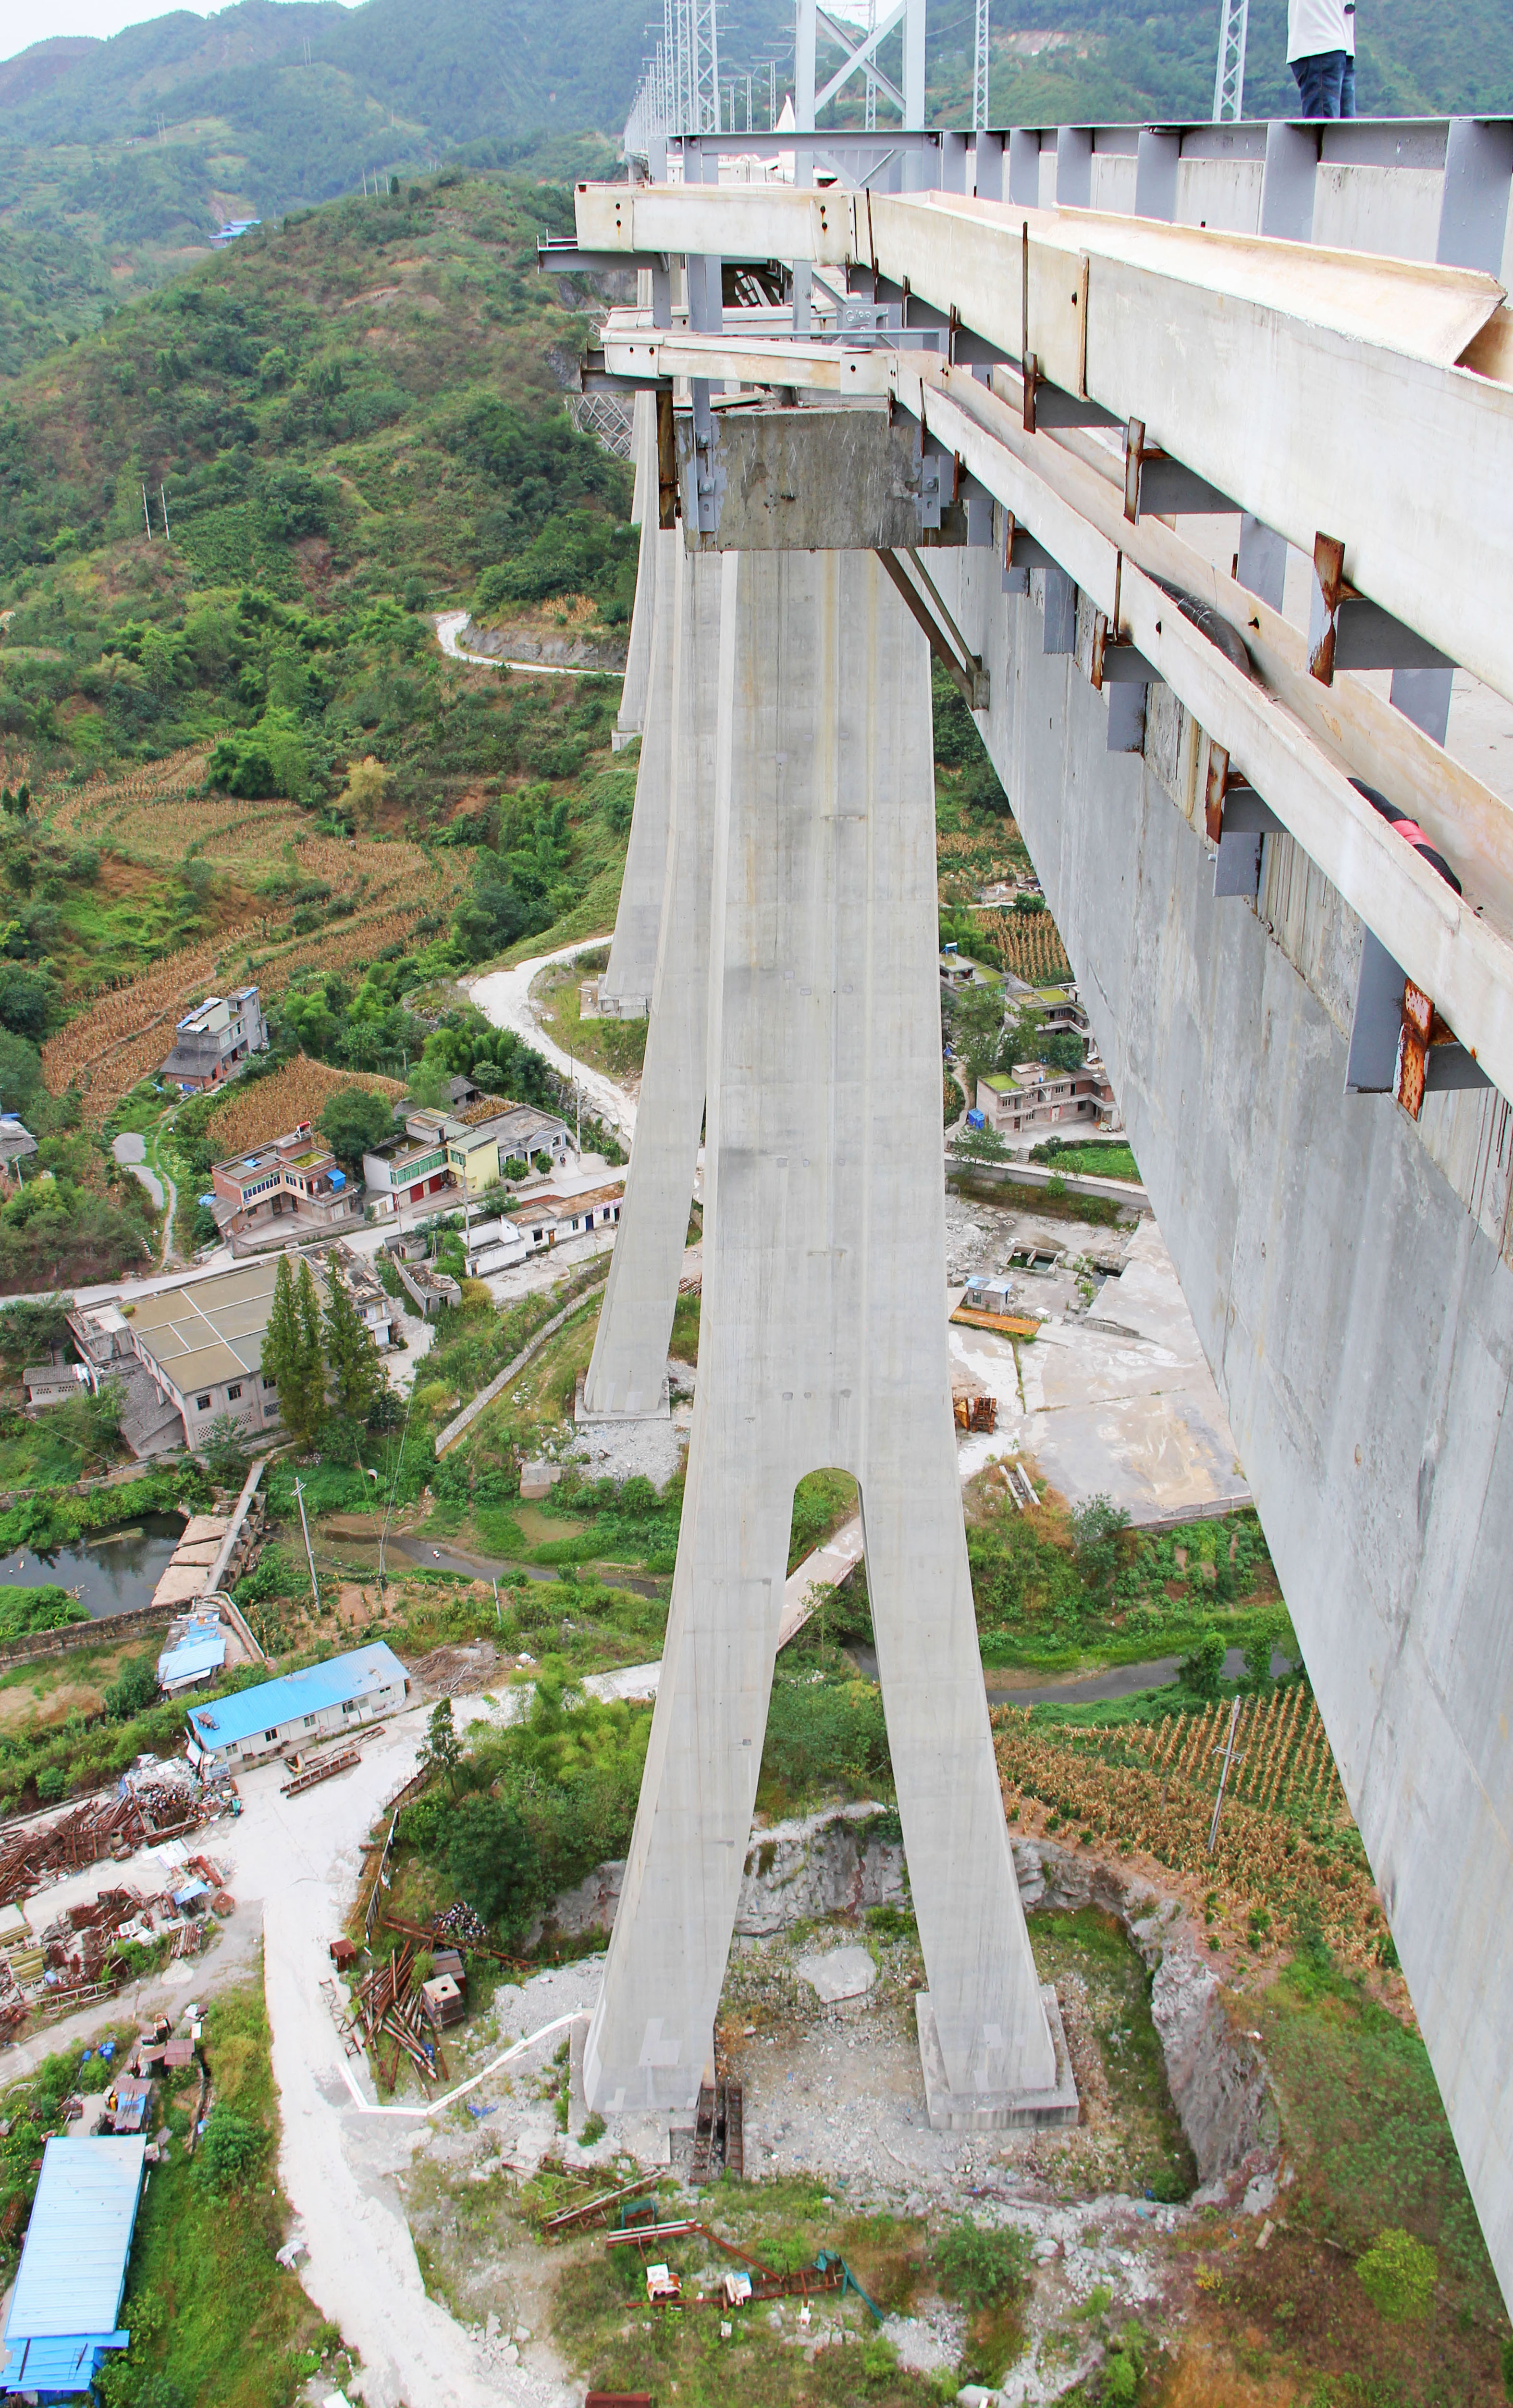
312	899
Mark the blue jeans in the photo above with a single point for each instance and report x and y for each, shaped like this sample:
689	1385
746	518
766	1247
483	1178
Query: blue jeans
1347	88
1320	80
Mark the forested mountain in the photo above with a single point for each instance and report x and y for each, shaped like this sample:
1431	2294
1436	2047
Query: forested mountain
118	159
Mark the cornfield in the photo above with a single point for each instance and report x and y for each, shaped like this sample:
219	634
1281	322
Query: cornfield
251	1116
155	814
1286	1847
1027	944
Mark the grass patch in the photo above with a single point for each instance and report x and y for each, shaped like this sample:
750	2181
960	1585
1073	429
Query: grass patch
617	1047
1108	1159
1113	1987
211	2312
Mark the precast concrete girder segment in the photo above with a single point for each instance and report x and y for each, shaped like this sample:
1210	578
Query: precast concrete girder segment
628	1373
1292	738
822	1336
1358	1320
1321	390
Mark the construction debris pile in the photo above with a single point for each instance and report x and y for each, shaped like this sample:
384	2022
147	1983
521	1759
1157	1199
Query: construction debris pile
77	1957
390	2006
155	1801
460	1925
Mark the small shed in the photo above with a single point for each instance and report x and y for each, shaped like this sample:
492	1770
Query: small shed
444	1999
343	1951
179	2053
65	2307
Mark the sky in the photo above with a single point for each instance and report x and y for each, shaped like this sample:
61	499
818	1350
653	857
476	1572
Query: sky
22	22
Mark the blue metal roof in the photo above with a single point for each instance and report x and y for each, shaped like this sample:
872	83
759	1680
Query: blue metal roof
357	1674
65	2308
192	1658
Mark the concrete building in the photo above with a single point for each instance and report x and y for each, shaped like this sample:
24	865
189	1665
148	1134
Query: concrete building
64	2314
414	1164
478	1154
291	1188
216	1040
151	1423
17	1145
375	1306
203	1347
53	1383
341	1695
1031	1100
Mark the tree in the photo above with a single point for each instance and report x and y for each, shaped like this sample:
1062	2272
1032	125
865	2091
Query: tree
1095	1539
225	1450
353	1122
21	1089
27	997
979	1145
1202	1670
441	1752
492	1858
292	1352
368	784
350	1351
975	1017
430	1082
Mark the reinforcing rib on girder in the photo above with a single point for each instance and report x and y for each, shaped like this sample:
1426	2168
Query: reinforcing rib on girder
1014	327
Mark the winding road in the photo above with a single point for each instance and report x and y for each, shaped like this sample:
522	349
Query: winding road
503	997
449	625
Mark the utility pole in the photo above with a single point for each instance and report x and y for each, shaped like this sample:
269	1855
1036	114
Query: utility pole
147	515
309	1553
1228	76
163	497
1224	1774
771	95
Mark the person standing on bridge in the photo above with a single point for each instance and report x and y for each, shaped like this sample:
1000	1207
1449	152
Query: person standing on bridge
1316	53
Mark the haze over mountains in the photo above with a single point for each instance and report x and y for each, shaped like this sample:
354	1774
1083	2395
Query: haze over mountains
118	158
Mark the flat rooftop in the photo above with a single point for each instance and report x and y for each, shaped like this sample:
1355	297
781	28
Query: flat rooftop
210	1332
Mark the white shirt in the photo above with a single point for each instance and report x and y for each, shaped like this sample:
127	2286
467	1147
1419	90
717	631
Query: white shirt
1314	27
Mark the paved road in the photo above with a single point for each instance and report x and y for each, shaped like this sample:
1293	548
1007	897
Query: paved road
130	1150
449	625
503	997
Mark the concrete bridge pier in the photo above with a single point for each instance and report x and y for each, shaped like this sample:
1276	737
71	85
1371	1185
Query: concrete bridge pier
823	1343
628	1374
631	717
626	988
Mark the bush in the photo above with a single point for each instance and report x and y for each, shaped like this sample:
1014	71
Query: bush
1202	1670
493	1859
229	2152
980	2265
136	1688
1399	2274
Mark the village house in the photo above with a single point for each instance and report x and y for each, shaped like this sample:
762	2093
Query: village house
414	1164
339	1694
478	1152
216	1040
1031	1100
291	1188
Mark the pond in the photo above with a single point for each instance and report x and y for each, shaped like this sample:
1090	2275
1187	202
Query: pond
114	1573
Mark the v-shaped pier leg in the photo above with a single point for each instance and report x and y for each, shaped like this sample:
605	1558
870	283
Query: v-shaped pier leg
822	1339
628	1374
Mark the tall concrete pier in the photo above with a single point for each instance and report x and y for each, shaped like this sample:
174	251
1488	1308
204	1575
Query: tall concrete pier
823	1338
628	1374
